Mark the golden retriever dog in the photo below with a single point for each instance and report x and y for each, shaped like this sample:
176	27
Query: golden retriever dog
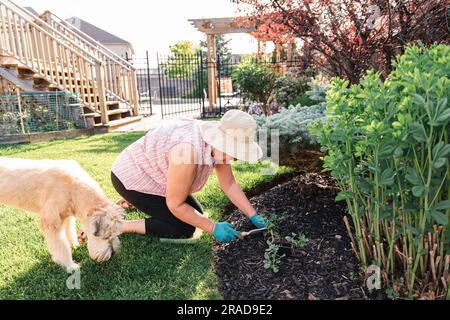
60	191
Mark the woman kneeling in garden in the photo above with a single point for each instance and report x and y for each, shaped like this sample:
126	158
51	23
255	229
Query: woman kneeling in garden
158	174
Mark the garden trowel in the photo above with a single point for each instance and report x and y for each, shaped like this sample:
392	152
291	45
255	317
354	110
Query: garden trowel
251	232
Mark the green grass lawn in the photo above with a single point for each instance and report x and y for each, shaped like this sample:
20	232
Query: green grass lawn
143	269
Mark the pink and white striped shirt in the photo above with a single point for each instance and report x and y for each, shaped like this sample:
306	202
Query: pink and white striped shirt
143	165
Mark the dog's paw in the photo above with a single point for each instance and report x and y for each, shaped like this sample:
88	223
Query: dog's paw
125	204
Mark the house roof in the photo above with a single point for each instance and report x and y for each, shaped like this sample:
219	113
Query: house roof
30	9
96	33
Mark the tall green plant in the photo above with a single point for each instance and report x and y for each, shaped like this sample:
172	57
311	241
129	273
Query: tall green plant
388	150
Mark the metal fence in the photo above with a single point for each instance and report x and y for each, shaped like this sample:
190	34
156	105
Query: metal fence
145	83
229	94
179	85
40	112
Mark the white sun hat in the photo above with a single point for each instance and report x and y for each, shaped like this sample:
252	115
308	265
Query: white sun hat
234	135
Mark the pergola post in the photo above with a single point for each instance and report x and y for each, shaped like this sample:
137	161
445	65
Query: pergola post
259	51
212	71
290	51
278	49
212	27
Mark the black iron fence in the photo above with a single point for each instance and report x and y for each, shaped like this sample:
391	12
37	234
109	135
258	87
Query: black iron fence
145	83
179	84
231	97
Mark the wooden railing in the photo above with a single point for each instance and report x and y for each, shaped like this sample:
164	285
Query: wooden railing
76	35
120	75
64	62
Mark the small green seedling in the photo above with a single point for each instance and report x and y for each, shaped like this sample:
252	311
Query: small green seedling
392	294
297	240
272	259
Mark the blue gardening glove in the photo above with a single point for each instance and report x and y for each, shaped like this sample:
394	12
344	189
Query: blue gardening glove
259	221
225	233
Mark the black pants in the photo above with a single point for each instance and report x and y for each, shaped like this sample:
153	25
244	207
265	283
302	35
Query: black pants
162	222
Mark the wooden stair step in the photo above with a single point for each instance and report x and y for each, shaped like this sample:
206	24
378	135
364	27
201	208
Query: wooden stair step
38	79
119	123
12	65
11	76
39	76
26	73
24	67
8	60
19	68
92	114
55	86
112	112
118	111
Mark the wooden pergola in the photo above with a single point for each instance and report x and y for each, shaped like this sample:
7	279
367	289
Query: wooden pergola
220	26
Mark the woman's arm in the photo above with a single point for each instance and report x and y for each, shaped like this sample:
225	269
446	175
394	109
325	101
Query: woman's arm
233	190
181	175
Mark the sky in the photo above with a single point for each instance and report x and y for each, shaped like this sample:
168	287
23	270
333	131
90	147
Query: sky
151	25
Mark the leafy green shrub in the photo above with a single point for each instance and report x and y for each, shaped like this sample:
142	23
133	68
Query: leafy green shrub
303	100
314	94
293	89
256	82
49	127
289	87
388	149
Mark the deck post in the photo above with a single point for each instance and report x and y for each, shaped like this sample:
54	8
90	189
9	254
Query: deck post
212	71
100	73
135	93
19	104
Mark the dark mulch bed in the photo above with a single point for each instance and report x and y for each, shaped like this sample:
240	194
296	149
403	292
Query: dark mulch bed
325	269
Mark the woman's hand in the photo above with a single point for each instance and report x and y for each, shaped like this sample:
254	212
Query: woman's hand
259	221
225	233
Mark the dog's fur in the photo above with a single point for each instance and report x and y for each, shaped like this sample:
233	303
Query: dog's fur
60	191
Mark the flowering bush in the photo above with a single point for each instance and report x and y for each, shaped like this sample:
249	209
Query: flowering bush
256	108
